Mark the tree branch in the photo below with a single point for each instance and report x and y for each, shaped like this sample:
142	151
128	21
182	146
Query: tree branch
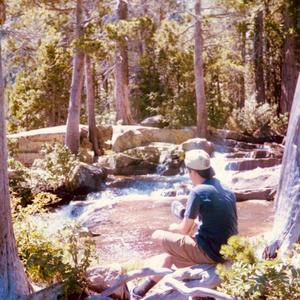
51	292
145	272
198	291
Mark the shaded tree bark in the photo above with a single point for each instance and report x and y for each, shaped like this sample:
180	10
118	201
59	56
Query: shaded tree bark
72	139
258	57
198	69
2	12
121	72
90	98
289	71
13	281
286	226
243	54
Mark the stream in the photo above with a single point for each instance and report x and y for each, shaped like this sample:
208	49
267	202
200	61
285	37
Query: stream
123	216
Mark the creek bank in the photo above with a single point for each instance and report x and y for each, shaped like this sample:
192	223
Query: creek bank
26	146
150	150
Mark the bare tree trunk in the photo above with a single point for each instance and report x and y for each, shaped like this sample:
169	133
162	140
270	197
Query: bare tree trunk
90	98
199	80
243	54
121	73
72	139
286	226
13	281
258	58
289	71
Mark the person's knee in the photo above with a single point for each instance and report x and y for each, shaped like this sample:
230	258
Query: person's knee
168	260
158	235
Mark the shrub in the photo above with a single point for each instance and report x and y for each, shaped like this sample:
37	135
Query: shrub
280	123
52	171
64	257
252	278
251	117
19	182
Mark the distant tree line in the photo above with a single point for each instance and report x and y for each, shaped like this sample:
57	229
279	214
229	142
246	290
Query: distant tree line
182	59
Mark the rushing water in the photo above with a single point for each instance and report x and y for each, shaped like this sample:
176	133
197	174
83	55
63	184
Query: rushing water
135	187
128	210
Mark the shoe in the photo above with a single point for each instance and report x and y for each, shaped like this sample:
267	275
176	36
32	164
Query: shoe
177	209
133	295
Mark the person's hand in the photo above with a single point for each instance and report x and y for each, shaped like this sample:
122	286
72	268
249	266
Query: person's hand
173	227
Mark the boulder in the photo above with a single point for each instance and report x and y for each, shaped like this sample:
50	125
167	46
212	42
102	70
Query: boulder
86	178
172	166
149	153
276	149
250	164
237	154
104	134
241	145
129	136
198	143
100	278
155	121
171	161
254	184
28	144
122	164
260	153
224	148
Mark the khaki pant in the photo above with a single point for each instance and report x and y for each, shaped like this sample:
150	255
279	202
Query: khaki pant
184	249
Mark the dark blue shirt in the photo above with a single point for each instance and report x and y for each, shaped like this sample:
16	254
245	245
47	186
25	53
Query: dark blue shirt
215	206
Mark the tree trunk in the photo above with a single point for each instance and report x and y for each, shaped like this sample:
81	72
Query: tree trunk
13	281
286	226
243	54
199	80
258	58
2	12
289	71
90	98
121	73
72	139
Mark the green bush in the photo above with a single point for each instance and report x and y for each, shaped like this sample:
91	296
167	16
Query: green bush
19	183
29	186
251	117
52	171
254	117
64	257
252	278
280	123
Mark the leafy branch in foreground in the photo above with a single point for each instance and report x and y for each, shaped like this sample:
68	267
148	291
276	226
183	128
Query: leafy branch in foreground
252	278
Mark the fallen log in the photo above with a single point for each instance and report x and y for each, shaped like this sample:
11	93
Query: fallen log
145	272
199	276
51	292
197	291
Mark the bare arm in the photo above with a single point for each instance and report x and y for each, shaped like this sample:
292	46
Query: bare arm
186	226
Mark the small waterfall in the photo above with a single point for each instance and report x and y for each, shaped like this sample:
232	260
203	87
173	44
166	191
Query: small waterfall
219	163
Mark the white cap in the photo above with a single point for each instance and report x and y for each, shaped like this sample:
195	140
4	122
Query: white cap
198	159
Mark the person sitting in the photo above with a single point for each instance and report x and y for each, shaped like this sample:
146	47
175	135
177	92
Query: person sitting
213	205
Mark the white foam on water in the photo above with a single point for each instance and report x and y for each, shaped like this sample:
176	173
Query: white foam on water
218	162
143	188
